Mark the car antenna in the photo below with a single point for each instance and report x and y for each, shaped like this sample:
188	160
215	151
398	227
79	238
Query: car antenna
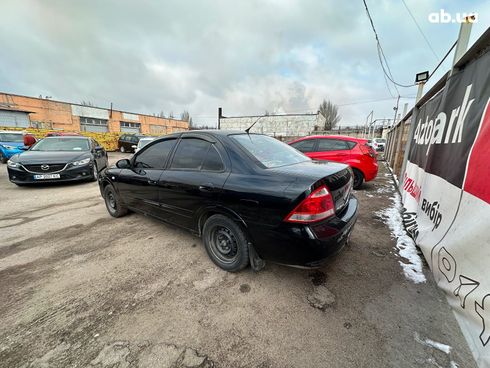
251	126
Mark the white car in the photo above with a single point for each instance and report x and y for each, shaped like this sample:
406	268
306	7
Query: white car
143	142
378	144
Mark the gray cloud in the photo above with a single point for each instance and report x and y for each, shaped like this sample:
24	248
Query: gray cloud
246	56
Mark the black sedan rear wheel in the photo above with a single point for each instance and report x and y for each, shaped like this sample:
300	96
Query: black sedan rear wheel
226	243
3	159
113	202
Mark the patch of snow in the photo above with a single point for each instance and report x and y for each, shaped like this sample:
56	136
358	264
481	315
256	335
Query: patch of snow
393	174
384	190
453	364
404	243
436	345
369	195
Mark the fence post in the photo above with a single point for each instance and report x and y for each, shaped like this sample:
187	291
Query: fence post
461	47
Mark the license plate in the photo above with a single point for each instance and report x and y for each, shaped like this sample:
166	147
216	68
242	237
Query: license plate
46	176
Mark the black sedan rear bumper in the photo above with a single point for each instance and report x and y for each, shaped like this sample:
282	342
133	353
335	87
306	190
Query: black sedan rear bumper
70	174
305	245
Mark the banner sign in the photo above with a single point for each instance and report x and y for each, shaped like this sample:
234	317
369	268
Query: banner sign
446	197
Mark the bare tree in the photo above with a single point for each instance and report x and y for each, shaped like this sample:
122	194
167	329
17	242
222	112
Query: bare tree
86	103
330	113
185	116
171	115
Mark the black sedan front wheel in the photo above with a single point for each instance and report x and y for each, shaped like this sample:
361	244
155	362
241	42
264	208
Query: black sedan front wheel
113	202
95	172
226	243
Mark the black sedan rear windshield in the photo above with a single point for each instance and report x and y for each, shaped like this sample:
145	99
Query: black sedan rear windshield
61	144
269	151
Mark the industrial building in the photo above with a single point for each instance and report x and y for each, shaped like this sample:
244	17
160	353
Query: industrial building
23	112
285	125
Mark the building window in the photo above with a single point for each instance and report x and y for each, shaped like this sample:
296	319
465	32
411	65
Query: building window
127	127
93	125
92	121
125	124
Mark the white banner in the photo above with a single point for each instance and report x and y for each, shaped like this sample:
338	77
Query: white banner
446	197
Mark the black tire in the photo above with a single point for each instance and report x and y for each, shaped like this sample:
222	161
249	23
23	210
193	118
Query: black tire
3	160
113	202
358	178
226	243
95	173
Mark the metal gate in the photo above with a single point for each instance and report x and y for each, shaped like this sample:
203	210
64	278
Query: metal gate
14	119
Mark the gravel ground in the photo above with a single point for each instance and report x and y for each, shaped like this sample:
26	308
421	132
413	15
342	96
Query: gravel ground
81	289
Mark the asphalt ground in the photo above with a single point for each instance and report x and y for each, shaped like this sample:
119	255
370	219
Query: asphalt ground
79	288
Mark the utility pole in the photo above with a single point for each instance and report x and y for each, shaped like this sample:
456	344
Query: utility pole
396	109
371	114
220	115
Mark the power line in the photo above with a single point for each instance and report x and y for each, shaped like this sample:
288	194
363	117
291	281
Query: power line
420	30
381	54
442	60
374	100
388	86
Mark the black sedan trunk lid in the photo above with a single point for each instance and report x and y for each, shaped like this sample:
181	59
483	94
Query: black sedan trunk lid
311	174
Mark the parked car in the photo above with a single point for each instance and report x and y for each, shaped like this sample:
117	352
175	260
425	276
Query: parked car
143	142
352	151
249	196
11	143
58	159
126	142
62	134
378	144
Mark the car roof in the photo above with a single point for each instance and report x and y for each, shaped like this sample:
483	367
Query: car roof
341	137
220	132
67	137
208	132
12	131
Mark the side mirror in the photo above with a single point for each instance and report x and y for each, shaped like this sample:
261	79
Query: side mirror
123	164
99	148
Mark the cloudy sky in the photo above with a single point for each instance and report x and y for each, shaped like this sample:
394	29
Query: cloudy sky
247	56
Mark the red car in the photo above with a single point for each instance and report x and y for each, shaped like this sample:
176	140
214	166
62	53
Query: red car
348	150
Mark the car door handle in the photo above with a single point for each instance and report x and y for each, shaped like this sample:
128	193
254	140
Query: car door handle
152	182
206	188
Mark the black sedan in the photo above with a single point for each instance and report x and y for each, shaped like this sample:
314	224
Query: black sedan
58	159
249	196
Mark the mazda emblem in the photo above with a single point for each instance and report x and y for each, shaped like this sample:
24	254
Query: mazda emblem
44	167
